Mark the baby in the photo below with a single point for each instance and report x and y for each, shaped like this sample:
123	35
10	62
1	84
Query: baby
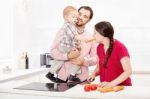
70	39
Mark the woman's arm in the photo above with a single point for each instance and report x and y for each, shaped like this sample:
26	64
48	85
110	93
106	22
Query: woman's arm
125	61
94	74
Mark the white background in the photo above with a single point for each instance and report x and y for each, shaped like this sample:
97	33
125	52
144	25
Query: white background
30	25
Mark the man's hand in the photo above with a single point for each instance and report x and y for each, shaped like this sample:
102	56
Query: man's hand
78	61
74	53
91	78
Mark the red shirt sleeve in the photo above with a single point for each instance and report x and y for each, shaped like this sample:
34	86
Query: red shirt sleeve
122	50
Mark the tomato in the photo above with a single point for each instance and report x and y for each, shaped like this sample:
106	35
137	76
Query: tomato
90	87
87	88
93	87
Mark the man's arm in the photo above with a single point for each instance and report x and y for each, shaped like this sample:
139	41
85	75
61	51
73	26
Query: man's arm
91	59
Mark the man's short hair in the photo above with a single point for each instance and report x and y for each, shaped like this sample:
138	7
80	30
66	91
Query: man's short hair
87	8
68	9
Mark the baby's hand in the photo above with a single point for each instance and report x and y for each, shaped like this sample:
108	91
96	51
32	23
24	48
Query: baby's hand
83	39
80	38
90	40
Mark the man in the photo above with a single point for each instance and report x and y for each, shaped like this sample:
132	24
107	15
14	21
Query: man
87	54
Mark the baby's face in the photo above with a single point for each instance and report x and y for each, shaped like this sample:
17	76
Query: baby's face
72	17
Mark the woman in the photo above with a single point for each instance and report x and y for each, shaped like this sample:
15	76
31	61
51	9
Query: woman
114	65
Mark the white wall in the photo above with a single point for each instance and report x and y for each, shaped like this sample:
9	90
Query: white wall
37	21
6	32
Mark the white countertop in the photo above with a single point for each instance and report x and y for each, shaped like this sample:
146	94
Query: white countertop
15	74
134	92
9	81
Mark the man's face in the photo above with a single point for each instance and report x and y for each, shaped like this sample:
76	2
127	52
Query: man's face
84	17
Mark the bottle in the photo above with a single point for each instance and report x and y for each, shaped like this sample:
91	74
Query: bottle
26	61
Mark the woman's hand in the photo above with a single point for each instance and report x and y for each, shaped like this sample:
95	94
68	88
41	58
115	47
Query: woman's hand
91	78
106	84
74	53
78	61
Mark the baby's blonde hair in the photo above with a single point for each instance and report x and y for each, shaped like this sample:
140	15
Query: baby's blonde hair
67	10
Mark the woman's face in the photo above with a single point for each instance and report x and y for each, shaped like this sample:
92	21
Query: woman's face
99	38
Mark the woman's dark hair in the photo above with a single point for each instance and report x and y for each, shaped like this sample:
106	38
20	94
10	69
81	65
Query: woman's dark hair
105	28
87	8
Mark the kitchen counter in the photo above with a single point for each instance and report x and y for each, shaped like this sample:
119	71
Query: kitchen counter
134	92
139	90
18	74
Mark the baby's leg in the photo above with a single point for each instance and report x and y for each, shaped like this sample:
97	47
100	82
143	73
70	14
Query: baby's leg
52	74
56	66
73	69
